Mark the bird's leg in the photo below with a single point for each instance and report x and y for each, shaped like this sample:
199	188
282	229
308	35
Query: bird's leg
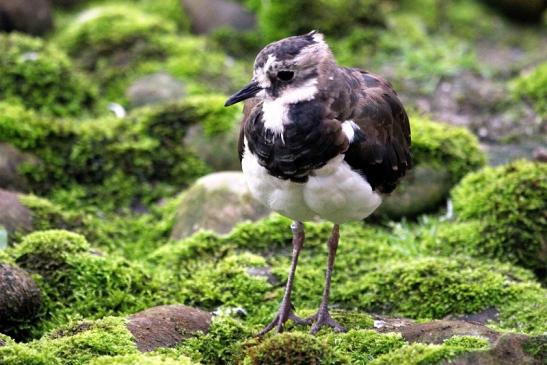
322	317
286	308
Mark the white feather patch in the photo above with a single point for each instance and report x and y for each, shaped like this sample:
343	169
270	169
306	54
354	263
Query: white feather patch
349	127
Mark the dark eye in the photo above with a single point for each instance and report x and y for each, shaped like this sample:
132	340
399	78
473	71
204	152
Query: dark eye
285	75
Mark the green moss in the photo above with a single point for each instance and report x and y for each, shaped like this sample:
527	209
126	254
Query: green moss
536	347
5	258
41	77
533	88
73	344
422	354
111	162
362	346
139	359
509	204
277	18
446	147
77	282
288	348
431	288
223	344
5	340
103	32
20	354
467	342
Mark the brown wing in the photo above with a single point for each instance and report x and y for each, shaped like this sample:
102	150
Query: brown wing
248	109
382	151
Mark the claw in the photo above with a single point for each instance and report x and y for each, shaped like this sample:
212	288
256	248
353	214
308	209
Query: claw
279	321
323	318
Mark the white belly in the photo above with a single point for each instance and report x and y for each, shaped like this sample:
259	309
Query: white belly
334	192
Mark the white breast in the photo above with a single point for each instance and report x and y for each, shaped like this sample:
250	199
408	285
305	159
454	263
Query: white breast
335	192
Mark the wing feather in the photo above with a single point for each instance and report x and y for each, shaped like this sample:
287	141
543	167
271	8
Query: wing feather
382	154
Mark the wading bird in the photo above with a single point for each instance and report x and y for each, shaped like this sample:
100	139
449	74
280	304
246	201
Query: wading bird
318	140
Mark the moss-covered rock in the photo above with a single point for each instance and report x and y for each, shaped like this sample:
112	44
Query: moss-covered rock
432	354
503	210
442	155
449	148
362	346
78	282
276	19
41	77
288	348
140	359
532	87
224	343
436	287
113	33
115	162
121	43
76	343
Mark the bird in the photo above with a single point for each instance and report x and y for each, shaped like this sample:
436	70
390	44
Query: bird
318	140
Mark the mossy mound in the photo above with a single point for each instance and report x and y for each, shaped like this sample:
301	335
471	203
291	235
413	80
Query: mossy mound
120	43
276	18
139	359
104	33
429	288
506	207
445	147
418	353
532	87
73	344
76	281
41	77
142	155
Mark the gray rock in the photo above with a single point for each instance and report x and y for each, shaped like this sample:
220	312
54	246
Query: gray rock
14	216
154	89
166	325
216	202
20	299
422	189
208	15
218	151
28	16
11	160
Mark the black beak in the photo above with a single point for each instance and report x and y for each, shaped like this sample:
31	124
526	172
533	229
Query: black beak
247	92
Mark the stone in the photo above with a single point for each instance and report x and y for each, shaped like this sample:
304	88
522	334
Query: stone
14	216
422	189
11	159
27	16
218	151
20	299
166	325
509	349
154	89
434	332
216	202
208	15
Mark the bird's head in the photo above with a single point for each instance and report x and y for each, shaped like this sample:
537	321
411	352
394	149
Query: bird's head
289	69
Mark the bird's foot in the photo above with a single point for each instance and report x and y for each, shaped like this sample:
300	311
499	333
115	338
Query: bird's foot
323	318
285	313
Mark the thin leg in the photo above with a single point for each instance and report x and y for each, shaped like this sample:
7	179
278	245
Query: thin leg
322	317
286	309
